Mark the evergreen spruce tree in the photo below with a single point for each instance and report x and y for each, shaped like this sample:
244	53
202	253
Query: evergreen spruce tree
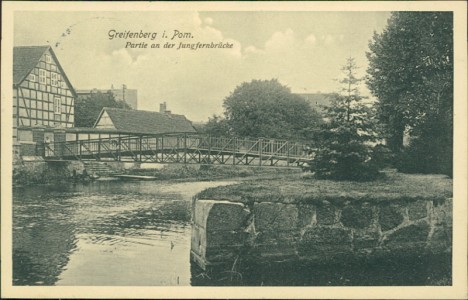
345	151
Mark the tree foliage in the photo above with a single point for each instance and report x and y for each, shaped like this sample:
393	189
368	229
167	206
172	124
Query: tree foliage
411	74
216	126
345	151
265	108
87	109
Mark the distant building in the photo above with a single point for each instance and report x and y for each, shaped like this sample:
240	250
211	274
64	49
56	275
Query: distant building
130	96
142	122
318	100
43	97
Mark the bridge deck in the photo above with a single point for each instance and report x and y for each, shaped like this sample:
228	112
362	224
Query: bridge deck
182	148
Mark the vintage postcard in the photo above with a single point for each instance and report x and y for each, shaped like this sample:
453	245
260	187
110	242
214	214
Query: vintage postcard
234	150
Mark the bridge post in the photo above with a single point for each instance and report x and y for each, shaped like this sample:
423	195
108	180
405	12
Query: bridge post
141	150
162	148
234	152
99	148
177	149
119	154
287	156
185	148
260	143
157	147
81	146
209	148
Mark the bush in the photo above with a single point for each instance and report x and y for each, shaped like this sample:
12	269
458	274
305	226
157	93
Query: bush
423	156
431	151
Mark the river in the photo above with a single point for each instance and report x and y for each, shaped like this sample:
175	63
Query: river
104	233
113	233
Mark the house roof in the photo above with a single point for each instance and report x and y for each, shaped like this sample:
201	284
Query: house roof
146	122
25	58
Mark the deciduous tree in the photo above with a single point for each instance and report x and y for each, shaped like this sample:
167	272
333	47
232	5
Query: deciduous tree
265	108
411	74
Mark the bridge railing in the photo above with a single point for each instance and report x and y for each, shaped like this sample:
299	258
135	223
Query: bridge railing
138	146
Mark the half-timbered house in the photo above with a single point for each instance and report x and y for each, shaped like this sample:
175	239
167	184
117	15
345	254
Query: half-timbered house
42	94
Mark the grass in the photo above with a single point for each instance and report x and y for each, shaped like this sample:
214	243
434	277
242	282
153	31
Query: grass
294	188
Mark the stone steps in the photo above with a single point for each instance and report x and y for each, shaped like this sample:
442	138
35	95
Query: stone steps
100	168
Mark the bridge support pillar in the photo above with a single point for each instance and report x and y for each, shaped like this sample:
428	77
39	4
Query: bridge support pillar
38	138
59	140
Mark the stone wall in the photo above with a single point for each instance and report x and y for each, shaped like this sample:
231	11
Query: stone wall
223	231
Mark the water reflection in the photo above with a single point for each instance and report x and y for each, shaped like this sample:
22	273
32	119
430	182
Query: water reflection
138	234
103	233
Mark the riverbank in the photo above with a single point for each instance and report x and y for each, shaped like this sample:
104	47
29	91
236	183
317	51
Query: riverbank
37	171
40	172
180	172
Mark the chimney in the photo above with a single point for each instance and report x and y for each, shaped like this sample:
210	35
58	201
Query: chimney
162	107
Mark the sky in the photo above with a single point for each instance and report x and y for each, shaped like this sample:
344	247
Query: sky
303	50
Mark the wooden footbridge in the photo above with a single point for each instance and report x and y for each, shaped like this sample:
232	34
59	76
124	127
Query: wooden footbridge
182	148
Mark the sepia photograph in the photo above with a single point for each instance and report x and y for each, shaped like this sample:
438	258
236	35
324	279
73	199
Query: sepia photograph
199	150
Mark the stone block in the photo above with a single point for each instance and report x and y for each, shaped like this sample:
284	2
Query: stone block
201	209
441	240
443	213
390	216
220	215
217	231
216	238
306	215
277	237
365	239
326	242
221	254
276	251
355	216
412	237
326	214
417	210
198	240
275	216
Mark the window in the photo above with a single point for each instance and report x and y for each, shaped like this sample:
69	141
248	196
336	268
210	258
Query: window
47	58
42	76
32	77
57	105
53	80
